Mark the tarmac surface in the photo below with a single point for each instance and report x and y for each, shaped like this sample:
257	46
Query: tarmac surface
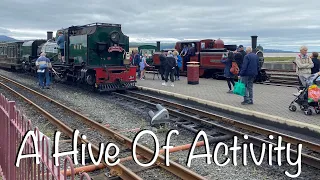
270	102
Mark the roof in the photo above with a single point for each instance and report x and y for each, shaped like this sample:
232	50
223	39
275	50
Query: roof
94	24
189	41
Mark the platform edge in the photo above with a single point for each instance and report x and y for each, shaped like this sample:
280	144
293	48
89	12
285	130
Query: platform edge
242	111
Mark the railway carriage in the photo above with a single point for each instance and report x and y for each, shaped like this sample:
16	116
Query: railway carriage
11	55
149	50
30	53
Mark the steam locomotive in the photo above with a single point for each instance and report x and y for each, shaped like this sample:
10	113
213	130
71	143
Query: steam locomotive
208	53
94	56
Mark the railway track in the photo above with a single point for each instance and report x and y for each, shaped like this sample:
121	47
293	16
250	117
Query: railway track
282	78
53	110
220	127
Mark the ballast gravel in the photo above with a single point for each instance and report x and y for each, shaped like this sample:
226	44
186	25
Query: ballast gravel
129	119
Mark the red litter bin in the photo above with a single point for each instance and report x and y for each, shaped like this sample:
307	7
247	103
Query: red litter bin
193	72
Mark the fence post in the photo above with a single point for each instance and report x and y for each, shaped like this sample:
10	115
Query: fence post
10	139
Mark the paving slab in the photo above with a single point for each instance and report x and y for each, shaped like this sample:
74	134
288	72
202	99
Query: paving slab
270	102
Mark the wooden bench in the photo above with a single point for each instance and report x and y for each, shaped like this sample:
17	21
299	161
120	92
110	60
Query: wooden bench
153	70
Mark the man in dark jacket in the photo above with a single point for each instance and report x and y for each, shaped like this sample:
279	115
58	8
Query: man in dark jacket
239	56
248	72
163	63
136	61
170	69
316	63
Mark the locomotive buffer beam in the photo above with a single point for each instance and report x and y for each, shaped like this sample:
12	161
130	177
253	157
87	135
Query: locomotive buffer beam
116	86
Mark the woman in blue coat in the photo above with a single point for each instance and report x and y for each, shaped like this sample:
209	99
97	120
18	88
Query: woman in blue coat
178	64
227	60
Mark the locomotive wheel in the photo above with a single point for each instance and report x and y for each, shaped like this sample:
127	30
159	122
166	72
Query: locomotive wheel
90	79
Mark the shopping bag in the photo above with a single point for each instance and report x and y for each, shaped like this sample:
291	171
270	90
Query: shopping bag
313	93
239	88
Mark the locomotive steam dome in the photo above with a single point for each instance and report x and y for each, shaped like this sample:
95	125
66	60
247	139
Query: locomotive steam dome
219	43
260	48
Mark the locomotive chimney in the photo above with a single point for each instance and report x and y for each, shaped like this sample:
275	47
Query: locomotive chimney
49	35
254	42
158	45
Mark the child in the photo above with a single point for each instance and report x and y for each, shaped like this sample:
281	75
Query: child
316	62
143	65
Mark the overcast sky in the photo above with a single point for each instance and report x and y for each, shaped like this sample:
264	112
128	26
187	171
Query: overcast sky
280	24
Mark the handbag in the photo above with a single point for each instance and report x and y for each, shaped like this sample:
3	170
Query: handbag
234	69
239	88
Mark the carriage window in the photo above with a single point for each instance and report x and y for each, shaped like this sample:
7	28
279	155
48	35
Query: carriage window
149	52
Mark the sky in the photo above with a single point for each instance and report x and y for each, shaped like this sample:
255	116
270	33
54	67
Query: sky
279	24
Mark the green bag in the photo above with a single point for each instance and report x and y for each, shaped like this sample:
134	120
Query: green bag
239	88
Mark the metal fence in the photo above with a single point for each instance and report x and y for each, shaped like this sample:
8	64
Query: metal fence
13	127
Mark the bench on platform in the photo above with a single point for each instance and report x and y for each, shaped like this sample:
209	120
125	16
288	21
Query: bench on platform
153	70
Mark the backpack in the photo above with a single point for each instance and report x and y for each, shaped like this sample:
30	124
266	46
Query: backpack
234	69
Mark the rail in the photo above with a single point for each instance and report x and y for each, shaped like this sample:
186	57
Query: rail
13	127
211	119
119	169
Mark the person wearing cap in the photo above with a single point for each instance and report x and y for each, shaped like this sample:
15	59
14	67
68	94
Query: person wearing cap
239	56
163	63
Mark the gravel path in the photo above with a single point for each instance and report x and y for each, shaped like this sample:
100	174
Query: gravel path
121	116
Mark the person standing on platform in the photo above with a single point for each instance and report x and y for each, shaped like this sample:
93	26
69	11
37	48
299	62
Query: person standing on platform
136	61
179	64
43	64
247	74
143	65
316	62
170	69
163	64
227	60
303	65
239	55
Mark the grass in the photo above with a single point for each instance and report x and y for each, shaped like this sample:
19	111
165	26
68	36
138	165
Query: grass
268	59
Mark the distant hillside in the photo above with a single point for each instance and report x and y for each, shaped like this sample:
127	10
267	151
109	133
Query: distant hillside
6	38
171	46
162	45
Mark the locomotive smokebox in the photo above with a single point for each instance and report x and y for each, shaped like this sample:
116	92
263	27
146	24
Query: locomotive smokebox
254	42
49	35
158	45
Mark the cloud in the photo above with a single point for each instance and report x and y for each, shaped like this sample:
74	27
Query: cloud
285	24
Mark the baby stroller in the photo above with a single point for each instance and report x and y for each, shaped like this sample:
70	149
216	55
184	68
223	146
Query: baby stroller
302	96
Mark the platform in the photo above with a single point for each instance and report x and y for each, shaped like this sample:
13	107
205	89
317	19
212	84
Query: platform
270	102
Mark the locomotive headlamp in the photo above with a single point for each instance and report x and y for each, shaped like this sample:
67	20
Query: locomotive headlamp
115	36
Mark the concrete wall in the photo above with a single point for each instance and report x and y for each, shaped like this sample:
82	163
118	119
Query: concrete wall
286	66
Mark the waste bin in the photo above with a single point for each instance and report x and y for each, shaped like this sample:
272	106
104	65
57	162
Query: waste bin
193	72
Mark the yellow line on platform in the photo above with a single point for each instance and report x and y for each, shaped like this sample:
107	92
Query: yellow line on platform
267	117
